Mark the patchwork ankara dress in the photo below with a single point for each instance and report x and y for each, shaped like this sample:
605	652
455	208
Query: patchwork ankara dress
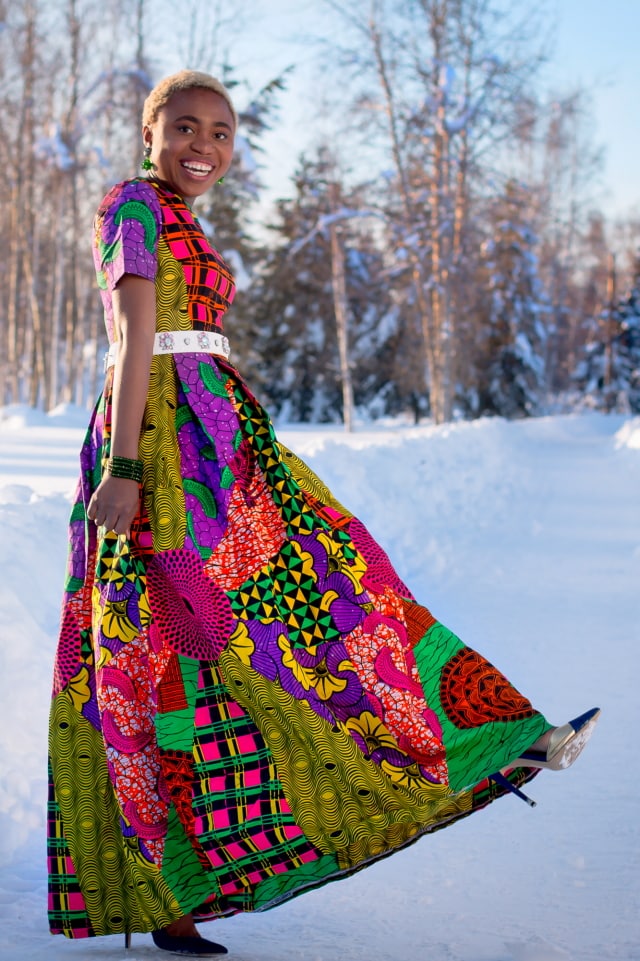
247	701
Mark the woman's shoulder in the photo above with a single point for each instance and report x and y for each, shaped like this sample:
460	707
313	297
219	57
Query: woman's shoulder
126	231
130	206
129	192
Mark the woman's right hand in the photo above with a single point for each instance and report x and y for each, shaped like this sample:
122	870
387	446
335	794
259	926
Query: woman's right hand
114	504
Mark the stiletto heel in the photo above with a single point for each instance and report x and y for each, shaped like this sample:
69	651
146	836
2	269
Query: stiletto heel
565	744
504	782
127	939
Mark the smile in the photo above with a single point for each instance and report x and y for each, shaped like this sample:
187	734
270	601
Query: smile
196	168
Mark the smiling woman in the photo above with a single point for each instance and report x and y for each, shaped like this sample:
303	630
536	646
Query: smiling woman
247	702
190	141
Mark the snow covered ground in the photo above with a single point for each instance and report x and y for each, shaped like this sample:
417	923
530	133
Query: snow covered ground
522	537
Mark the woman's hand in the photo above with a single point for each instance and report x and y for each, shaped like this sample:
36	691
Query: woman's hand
114	504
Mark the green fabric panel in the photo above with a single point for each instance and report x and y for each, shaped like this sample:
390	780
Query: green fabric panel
281	886
73	584
77	512
174	730
181	868
472	753
190	670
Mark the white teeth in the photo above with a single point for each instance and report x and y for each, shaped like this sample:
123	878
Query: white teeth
197	168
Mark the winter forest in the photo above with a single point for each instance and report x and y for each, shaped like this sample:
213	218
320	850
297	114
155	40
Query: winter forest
438	251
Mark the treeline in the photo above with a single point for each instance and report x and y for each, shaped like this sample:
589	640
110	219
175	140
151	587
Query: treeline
439	252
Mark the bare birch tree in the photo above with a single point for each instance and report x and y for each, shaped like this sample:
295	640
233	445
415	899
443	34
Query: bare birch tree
340	306
449	74
74	75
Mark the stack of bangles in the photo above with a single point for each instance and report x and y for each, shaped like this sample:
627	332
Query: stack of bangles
125	467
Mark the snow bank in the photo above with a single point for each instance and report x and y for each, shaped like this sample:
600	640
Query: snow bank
629	434
525	538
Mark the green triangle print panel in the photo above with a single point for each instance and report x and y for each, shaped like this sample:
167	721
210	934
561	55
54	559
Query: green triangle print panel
285	590
300	603
254	600
258	430
295	512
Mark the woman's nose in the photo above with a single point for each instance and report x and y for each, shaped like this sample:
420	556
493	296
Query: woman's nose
201	143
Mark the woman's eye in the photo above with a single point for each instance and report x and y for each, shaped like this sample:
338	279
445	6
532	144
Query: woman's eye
221	135
185	128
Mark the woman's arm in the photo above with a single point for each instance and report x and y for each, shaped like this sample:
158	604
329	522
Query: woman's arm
115	501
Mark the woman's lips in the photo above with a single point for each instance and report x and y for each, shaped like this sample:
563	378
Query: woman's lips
197	168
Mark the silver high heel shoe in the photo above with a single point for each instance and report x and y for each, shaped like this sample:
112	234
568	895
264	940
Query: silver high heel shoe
565	744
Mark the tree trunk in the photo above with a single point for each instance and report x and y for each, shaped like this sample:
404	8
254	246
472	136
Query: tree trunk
425	315
341	308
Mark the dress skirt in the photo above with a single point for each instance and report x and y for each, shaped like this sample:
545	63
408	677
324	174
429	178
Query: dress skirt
248	701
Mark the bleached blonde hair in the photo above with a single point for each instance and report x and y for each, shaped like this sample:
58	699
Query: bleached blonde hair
183	80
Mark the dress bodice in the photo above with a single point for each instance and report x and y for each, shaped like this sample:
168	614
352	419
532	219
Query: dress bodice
143	228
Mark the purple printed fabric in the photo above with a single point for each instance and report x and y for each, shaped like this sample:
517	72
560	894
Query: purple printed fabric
127	227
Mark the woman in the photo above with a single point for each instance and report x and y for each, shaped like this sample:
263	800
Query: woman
247	700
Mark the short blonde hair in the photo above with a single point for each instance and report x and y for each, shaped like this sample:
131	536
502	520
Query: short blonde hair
183	80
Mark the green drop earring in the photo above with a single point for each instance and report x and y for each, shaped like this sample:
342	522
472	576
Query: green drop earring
221	181
147	163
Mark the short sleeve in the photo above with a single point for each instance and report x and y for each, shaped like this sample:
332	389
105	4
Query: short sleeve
127	227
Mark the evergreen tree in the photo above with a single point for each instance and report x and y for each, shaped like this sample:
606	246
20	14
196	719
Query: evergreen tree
608	373
507	376
293	311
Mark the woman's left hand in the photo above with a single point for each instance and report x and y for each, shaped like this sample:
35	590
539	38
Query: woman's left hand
114	504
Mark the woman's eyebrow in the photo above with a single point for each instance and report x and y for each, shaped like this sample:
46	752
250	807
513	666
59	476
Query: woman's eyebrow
218	123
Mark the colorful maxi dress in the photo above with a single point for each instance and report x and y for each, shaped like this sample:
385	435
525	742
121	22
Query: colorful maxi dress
247	701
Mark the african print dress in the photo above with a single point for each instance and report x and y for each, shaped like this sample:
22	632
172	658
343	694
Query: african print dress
247	701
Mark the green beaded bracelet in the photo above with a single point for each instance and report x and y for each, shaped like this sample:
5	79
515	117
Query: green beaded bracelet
125	467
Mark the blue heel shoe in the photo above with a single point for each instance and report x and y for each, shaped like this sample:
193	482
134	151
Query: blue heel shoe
190	947
565	744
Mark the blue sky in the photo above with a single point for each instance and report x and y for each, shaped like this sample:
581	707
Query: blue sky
596	45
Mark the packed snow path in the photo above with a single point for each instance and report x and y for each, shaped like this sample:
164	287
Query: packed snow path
525	539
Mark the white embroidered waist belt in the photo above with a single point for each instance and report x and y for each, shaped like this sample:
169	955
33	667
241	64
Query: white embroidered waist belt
180	342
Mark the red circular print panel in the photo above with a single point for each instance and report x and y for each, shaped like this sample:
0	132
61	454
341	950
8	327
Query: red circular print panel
473	692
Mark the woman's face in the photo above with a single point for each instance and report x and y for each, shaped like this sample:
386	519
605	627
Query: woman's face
191	141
